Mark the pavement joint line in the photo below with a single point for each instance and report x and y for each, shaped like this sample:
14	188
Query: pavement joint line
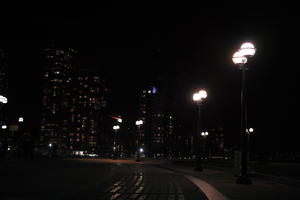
210	192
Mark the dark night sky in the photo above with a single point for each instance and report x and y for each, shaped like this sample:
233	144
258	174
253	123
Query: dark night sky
187	48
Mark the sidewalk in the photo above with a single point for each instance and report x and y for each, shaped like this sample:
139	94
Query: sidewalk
262	188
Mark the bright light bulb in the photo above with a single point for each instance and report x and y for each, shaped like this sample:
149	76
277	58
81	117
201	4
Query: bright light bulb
247	49
238	58
203	94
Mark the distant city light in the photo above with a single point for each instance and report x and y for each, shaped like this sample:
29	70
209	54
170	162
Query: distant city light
154	90
50	145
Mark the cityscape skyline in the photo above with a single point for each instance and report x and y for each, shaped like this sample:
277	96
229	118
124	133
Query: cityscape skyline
188	56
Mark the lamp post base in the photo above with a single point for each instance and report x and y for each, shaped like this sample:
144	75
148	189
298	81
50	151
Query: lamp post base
244	180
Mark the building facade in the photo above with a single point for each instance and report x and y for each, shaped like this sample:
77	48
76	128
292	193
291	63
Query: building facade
59	63
72	102
157	132
86	109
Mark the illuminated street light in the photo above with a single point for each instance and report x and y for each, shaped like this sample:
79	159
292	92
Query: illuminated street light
21	119
3	99
202	94
247	50
138	123
198	99
240	58
251	130
4	127
115	128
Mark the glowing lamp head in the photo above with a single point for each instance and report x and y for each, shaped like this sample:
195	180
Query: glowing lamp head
196	97
139	122
21	119
3	99
238	58
202	94
204	133
251	130
116	127
247	49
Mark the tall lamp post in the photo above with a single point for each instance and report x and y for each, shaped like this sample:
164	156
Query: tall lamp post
138	123
115	128
198	98
204	135
240	58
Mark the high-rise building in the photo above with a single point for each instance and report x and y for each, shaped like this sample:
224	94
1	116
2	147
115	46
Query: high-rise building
59	63
157	130
87	94
3	84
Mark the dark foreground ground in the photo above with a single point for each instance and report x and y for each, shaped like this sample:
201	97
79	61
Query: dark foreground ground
92	179
55	178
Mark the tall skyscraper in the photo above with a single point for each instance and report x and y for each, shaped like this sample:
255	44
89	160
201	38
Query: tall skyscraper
59	63
157	130
86	109
3	84
3	74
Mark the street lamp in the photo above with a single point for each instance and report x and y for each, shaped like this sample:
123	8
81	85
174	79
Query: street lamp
198	98
138	149
115	128
4	127
3	99
204	135
240	58
21	119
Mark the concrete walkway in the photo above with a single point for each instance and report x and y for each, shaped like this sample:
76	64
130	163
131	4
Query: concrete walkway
223	182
